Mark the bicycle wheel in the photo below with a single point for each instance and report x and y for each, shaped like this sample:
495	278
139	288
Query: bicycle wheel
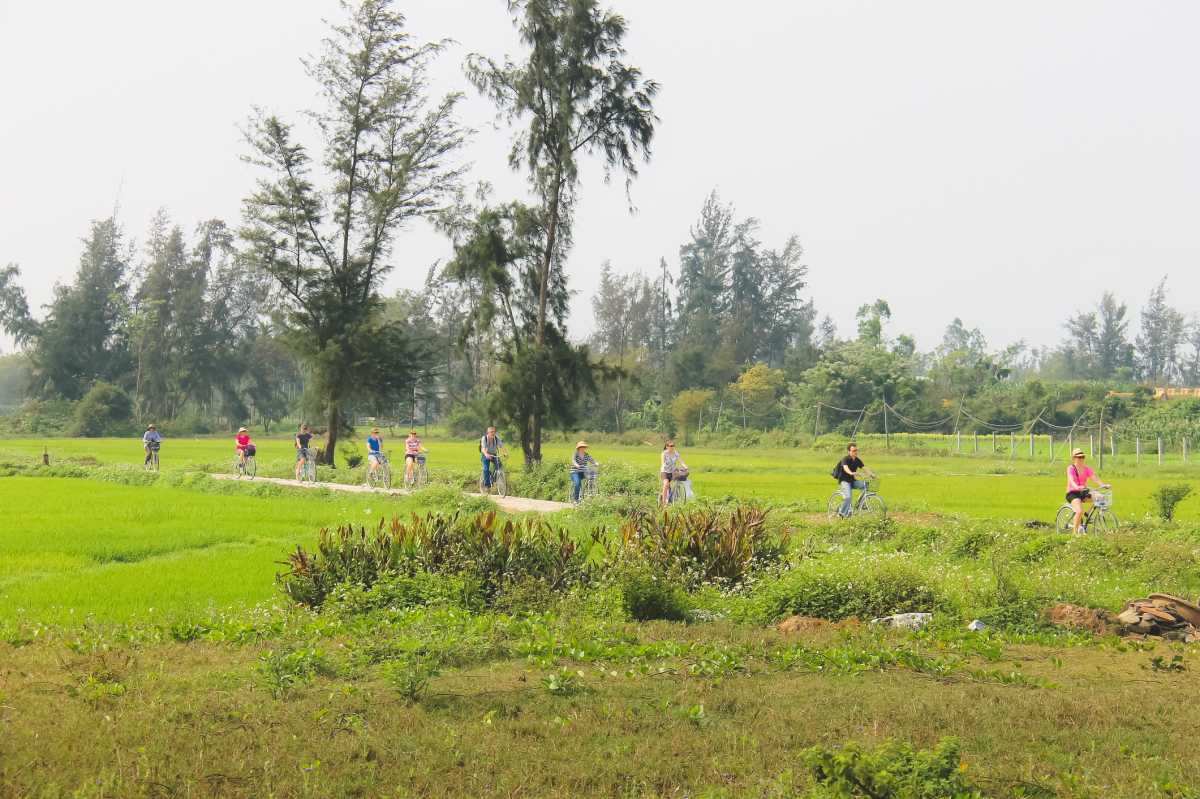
154	461
833	508
250	467
309	472
676	494
501	482
421	475
1063	519
1106	521
385	476
872	505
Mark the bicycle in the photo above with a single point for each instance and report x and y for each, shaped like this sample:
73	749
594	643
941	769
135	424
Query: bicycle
869	502
420	476
1100	514
676	491
308	466
244	467
151	464
587	486
499	480
381	475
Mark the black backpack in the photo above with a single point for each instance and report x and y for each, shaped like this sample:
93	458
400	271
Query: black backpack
836	474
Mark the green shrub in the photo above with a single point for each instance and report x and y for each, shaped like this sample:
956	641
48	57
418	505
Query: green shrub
105	410
698	546
864	590
972	543
1166	497
891	771
486	553
646	596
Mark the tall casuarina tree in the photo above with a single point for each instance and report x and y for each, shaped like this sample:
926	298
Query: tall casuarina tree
389	158
572	95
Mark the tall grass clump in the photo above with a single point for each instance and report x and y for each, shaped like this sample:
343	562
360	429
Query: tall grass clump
1166	497
490	554
700	547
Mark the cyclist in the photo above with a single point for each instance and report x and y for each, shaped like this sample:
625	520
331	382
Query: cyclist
1078	493
581	462
671	461
242	444
412	448
302	440
151	441
374	450
848	473
489	455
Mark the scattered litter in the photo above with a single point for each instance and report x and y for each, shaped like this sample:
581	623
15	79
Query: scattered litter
976	626
907	621
1161	616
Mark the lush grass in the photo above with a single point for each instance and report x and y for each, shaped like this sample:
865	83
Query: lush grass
74	548
980	487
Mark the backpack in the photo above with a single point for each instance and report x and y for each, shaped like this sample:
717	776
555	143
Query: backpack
836	474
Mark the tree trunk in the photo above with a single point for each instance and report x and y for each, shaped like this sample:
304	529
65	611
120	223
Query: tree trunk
533	450
332	437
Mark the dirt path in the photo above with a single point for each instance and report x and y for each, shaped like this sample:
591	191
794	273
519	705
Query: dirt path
510	504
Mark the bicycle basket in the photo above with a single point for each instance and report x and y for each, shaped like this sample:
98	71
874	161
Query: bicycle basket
681	474
1102	500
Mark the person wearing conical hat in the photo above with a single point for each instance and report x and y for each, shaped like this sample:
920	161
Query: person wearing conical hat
581	462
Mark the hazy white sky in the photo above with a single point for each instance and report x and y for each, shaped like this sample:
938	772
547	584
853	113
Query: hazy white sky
999	162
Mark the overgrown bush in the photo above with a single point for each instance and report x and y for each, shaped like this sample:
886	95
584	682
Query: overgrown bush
699	546
487	553
891	771
865	589
646	596
1166	497
401	591
105	410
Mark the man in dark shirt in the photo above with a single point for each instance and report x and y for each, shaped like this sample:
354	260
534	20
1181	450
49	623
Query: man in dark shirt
303	438
848	480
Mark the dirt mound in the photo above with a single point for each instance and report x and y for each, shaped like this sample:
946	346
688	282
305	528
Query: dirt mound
809	624
1075	617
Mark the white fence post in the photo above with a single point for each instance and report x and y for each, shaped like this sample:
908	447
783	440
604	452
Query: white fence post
1160	450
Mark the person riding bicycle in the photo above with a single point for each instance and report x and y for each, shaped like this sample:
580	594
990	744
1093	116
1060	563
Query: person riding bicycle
671	462
581	463
151	441
374	450
848	477
242	443
489	455
412	449
1078	492
302	440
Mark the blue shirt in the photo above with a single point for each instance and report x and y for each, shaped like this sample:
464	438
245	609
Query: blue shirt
373	443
